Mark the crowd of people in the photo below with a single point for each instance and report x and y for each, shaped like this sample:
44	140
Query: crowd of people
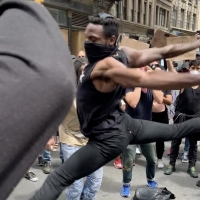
119	103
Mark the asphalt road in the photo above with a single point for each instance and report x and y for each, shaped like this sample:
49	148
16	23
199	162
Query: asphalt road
180	183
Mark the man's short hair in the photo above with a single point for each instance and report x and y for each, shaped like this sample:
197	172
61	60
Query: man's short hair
109	23
194	63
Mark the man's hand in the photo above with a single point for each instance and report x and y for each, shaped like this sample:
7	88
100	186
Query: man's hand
50	144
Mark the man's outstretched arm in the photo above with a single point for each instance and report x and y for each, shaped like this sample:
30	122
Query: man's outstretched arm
127	77
36	86
144	57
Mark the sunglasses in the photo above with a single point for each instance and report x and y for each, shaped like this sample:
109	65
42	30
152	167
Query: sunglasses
105	16
153	66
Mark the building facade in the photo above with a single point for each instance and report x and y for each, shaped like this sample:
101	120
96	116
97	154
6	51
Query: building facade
185	16
72	18
138	18
163	15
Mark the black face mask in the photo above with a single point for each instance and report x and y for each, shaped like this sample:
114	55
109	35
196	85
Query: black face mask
96	52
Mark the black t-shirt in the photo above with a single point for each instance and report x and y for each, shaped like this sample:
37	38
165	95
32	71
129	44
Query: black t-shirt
189	101
99	114
143	109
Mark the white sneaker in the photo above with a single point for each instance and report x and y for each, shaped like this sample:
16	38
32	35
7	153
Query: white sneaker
185	158
160	164
138	152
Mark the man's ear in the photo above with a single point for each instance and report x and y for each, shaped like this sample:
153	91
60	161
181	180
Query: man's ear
112	40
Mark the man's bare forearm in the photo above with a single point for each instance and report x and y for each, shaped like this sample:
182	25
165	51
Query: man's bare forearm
162	80
144	57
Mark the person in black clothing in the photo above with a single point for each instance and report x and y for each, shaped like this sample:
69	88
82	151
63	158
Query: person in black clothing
188	107
101	87
160	114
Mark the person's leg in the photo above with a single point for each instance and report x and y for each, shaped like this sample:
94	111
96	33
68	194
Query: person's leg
148	150
187	144
184	158
175	144
147	132
192	157
46	156
74	190
82	163
160	147
92	185
128	157
61	153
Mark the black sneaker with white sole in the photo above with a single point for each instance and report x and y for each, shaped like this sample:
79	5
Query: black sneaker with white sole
31	176
41	161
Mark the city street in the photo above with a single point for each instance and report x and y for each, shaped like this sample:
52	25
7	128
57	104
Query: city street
180	183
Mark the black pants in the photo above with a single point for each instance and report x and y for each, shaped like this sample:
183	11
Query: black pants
192	155
161	117
99	152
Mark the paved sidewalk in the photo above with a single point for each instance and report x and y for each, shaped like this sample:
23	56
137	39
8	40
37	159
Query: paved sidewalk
180	183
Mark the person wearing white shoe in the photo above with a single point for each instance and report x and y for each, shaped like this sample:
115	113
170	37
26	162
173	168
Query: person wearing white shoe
160	114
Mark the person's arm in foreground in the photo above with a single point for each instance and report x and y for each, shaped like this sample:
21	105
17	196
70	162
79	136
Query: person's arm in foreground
37	84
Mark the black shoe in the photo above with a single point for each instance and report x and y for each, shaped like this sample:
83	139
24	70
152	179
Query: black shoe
31	176
198	183
41	161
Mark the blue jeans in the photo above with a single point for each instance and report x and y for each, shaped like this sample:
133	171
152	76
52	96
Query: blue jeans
46	156
77	191
128	157
187	144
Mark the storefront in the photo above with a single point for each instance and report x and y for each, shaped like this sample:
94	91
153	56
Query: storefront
72	18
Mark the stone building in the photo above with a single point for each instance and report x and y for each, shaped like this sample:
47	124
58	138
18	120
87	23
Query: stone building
185	16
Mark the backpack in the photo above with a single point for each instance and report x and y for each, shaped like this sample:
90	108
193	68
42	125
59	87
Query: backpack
149	193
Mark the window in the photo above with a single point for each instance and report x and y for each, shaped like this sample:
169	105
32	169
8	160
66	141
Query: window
162	17
174	17
167	18
139	10
182	18
156	15
117	9
144	14
125	9
132	11
59	15
194	22
188	20
150	14
190	1
196	2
